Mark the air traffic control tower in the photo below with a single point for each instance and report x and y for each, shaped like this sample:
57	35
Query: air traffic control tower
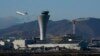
43	20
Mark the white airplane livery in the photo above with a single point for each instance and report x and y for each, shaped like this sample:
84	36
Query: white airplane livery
21	13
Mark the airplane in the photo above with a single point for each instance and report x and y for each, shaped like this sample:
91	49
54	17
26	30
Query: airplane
21	13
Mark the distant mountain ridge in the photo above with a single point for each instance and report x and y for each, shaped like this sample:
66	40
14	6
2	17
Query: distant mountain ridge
8	21
87	28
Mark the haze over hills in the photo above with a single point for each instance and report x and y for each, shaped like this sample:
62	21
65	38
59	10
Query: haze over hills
87	27
8	21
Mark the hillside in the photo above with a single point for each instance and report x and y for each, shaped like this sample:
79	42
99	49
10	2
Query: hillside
87	27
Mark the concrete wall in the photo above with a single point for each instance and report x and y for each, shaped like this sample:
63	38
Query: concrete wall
70	46
2	42
19	43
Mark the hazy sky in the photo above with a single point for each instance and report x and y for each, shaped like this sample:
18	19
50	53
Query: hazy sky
59	9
